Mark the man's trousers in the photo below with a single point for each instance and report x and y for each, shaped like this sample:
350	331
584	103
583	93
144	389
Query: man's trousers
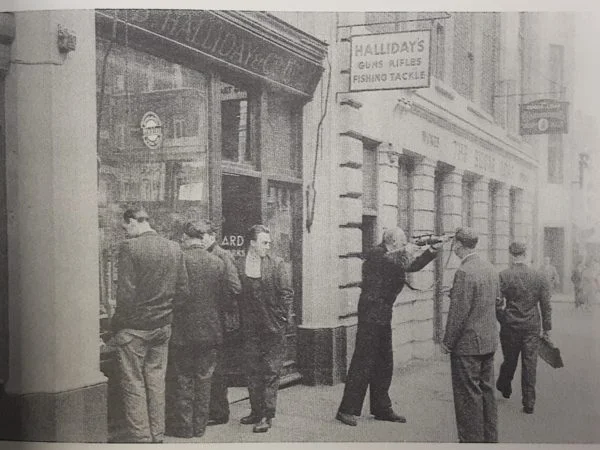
192	368
474	400
525	343
372	366
265	353
219	404
142	363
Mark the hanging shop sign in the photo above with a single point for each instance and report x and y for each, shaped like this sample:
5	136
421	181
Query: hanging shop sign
544	117
390	61
242	40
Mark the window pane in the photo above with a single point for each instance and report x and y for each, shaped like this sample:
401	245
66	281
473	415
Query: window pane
152	146
235	124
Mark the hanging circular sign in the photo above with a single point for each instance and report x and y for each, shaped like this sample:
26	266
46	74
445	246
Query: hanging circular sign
151	130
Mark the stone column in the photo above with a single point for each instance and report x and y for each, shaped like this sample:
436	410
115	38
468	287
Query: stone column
502	226
56	390
423	222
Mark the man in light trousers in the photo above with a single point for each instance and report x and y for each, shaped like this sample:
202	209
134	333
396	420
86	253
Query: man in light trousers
151	273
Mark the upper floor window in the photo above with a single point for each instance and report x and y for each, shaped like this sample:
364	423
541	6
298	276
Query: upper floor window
462	73
557	68
439	54
489	59
555	159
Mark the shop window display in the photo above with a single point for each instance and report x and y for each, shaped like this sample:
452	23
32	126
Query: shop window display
152	148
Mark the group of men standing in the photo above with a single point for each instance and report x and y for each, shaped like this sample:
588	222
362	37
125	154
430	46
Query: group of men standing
174	304
479	298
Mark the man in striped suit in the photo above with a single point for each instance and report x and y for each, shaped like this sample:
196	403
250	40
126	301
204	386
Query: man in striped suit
471	339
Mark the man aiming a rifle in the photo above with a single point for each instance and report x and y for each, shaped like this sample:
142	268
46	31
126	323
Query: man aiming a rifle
383	277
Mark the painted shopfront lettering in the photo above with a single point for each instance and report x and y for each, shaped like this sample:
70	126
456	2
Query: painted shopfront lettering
461	152
485	162
430	140
204	32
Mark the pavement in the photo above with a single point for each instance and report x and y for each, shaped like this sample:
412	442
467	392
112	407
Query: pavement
567	408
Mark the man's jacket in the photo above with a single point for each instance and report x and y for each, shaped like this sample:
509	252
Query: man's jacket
151	272
196	317
269	311
383	277
524	289
228	303
471	327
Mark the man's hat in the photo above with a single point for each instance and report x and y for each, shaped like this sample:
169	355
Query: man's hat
467	236
517	248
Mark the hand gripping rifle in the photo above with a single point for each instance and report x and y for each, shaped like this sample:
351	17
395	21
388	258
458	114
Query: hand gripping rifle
432	239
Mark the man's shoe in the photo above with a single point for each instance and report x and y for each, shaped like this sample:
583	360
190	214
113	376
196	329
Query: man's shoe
199	433
250	420
528	409
221	421
262	426
348	419
505	392
390	416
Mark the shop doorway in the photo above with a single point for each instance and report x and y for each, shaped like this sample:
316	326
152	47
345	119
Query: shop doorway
241	208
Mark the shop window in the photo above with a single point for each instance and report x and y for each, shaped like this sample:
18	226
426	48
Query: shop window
152	149
283	147
235	124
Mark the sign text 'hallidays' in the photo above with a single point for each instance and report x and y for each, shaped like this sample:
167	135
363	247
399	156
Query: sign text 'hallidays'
390	61
204	31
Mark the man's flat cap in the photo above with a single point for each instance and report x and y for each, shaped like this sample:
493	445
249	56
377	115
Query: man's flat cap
468	236
517	248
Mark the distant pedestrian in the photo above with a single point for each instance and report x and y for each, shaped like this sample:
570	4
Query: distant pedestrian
151	274
576	279
383	277
590	284
551	274
264	314
471	340
526	292
197	337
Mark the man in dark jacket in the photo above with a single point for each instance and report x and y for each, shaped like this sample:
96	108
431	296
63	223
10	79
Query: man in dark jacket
526	291
264	314
229	314
151	273
197	336
471	340
383	277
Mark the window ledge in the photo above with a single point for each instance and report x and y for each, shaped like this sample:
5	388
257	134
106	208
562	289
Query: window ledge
480	113
516	138
443	91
